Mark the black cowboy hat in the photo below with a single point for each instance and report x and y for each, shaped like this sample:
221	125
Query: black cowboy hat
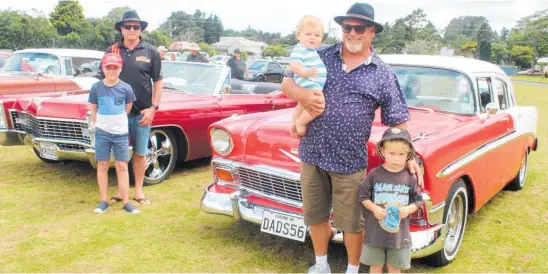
363	12
130	16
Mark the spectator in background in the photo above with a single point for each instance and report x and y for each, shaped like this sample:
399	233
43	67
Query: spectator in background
195	55
162	51
237	66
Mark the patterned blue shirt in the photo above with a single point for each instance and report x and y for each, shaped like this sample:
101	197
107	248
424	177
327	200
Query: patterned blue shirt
336	141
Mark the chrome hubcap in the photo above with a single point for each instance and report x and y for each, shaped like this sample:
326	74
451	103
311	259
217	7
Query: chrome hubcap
455	224
159	157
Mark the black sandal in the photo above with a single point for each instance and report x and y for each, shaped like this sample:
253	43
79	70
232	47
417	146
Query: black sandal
142	201
115	199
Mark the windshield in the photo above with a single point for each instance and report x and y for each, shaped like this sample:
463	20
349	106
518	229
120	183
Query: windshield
3	60
436	89
258	65
191	77
34	62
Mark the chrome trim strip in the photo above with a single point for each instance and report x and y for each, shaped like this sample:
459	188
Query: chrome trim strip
86	145
477	153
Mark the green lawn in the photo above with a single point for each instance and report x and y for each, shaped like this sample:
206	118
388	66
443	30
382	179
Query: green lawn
536	78
47	224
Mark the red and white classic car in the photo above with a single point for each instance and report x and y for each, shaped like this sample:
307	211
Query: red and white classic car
471	136
46	72
195	96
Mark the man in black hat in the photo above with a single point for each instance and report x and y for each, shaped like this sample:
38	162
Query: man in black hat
333	152
237	66
142	65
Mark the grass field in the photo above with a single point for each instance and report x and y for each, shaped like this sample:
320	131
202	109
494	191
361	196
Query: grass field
47	223
536	78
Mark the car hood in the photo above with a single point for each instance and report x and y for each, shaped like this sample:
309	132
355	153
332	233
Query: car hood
76	106
270	143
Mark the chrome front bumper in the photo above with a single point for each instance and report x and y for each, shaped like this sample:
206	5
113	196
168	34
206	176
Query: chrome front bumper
8	138
236	204
12	137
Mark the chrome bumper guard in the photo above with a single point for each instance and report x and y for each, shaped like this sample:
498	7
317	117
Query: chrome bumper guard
236	204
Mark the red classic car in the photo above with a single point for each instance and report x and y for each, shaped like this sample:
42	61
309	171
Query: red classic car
471	137
195	96
43	72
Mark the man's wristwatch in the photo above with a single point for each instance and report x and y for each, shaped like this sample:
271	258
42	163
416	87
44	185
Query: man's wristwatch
156	107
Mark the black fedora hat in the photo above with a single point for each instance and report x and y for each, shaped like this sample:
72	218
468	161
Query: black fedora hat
360	11
130	16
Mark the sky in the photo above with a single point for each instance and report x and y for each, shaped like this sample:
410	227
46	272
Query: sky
283	15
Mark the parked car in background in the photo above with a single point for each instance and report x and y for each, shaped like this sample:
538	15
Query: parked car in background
33	72
4	56
265	71
472	139
220	59
90	66
195	95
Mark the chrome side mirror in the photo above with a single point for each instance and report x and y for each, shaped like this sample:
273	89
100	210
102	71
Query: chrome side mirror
492	108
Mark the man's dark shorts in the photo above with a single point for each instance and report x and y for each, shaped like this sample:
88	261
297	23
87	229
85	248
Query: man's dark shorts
321	189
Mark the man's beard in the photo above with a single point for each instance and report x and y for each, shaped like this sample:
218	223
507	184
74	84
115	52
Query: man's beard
354	48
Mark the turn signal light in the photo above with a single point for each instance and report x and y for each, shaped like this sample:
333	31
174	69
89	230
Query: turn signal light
224	175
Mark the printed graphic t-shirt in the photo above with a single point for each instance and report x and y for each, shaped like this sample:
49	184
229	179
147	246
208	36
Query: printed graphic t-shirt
383	187
111	106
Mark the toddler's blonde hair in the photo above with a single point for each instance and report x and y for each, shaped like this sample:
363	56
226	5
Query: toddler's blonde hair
308	21
401	144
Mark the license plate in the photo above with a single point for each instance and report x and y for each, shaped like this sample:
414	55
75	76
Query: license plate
48	151
284	225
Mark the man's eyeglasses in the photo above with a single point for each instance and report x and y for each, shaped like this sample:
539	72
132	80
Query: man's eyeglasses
135	27
360	29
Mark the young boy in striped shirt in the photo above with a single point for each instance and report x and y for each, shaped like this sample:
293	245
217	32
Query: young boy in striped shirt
308	68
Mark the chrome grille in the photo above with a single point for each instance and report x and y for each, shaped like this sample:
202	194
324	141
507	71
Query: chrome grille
50	128
270	184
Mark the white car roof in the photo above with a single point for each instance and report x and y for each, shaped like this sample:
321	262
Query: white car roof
465	65
81	53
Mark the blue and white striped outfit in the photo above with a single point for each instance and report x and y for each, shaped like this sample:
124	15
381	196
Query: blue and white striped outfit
310	59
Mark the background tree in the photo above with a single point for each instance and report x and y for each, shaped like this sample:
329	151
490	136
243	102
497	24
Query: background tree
522	56
208	49
499	54
275	50
66	15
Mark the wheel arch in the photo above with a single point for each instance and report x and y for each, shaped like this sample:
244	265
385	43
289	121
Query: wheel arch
182	140
471	193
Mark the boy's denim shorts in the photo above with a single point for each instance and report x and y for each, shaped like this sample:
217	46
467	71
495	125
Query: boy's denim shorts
105	142
139	135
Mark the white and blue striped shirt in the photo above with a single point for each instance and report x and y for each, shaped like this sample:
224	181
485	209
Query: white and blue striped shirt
310	59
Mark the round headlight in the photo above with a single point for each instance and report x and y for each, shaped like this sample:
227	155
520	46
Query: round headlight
221	141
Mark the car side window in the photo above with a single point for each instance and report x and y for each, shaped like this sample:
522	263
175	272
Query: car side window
275	66
501	91
485	92
272	66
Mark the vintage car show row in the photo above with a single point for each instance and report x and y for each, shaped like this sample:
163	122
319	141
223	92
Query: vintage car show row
472	137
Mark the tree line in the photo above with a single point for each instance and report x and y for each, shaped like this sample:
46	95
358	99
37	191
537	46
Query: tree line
470	36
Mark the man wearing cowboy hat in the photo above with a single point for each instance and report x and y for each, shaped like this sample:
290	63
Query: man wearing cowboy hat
195	55
333	152
142	65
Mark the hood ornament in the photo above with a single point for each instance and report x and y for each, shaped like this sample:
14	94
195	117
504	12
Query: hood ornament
291	156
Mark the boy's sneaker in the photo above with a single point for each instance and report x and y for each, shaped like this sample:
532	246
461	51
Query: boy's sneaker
318	268
102	207
130	209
